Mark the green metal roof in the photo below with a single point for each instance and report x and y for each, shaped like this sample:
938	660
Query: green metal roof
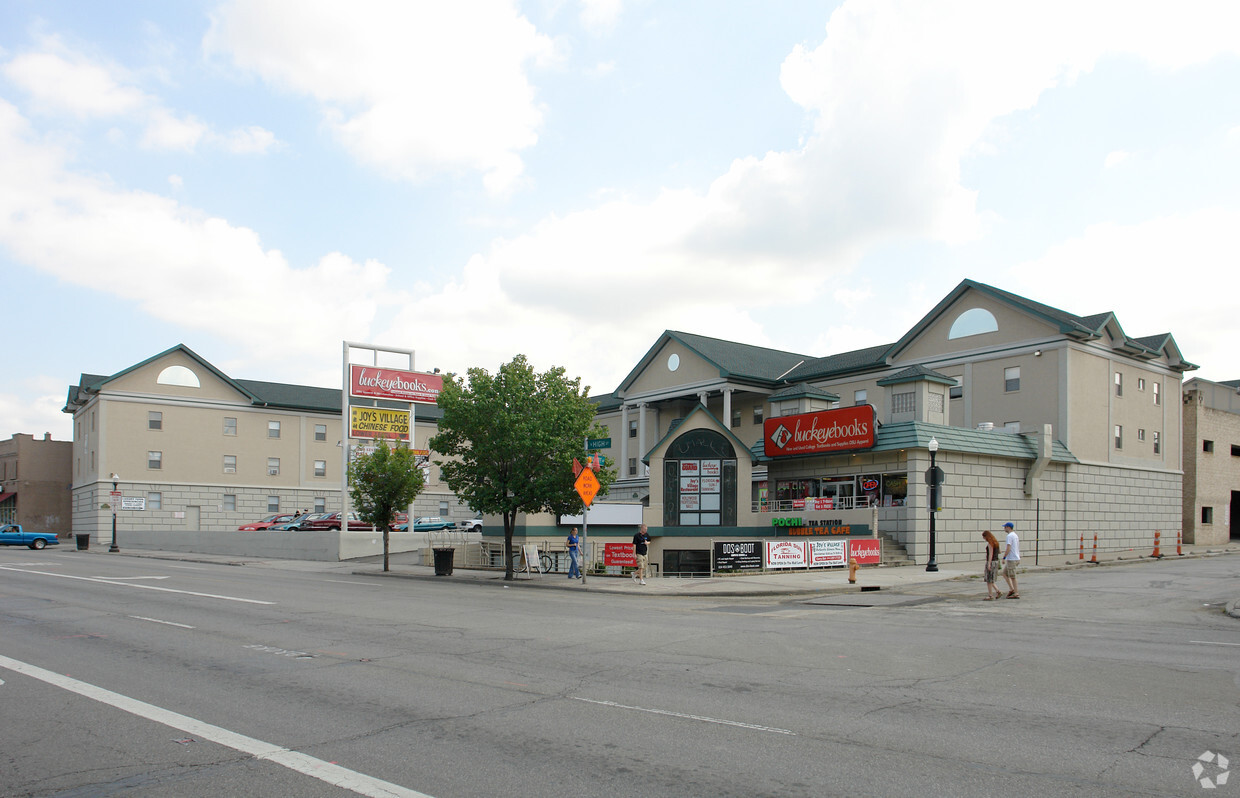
803	389
917	373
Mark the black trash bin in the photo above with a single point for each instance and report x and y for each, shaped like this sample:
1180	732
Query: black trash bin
83	542
443	562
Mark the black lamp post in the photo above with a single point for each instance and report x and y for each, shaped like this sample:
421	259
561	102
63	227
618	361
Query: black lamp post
116	478
933	446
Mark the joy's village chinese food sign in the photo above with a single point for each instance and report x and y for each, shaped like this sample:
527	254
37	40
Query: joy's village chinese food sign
822	432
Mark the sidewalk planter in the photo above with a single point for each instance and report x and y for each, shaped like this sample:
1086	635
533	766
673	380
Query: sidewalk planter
83	542
443	562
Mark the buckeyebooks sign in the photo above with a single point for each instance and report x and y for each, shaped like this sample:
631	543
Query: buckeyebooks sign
395	384
823	432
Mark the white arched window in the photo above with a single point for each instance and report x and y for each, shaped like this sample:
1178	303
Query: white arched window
178	375
974	321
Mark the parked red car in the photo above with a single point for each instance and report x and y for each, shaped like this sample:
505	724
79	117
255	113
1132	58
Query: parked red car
266	523
332	521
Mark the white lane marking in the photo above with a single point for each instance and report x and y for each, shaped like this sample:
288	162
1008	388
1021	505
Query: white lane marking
350	582
753	726
126	578
156	620
144	587
1212	643
293	760
188	567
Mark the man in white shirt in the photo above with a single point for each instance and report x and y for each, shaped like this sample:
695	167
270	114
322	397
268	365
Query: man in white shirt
1011	559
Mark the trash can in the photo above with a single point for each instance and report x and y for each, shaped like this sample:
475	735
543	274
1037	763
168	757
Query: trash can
443	562
83	542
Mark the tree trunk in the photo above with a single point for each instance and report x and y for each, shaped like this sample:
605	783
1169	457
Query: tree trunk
385	548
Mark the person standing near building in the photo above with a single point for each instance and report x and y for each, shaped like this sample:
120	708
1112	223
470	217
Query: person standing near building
1011	559
991	570
574	555
641	553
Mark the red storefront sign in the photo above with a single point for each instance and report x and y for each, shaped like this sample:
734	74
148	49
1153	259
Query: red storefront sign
395	384
619	554
824	431
866	552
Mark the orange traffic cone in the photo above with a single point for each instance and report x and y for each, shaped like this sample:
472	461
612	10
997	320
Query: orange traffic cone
1094	559
1157	540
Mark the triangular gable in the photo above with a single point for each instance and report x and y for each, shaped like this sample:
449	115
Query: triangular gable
707	358
737	443
178	352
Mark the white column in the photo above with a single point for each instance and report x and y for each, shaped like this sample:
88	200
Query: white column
702	398
641	430
727	407
624	441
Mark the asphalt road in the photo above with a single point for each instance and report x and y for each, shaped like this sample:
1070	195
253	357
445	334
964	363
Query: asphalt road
141	677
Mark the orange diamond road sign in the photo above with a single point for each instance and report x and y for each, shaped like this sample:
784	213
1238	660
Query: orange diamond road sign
587	486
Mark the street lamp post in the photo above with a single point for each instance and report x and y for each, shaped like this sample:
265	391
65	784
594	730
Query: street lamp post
933	446
116	478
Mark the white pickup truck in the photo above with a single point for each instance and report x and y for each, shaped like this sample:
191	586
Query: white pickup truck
470	525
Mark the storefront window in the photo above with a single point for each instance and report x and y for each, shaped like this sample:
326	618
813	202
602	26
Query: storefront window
895	489
792	489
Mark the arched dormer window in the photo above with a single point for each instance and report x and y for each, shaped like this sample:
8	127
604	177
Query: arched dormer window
179	376
974	321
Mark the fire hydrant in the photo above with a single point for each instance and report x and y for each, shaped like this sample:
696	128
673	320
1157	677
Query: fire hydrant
852	570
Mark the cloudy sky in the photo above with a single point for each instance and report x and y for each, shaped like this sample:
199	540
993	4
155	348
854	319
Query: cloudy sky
261	180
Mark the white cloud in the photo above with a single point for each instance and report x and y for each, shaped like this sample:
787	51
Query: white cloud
1116	158
60	82
1175	269
600	15
33	404
200	272
409	89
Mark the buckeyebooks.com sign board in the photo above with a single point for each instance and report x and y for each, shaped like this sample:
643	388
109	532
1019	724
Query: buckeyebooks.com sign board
395	384
823	432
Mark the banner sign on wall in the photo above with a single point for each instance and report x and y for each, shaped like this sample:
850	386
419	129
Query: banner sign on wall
822	432
866	552
827	553
619	554
785	554
395	384
740	555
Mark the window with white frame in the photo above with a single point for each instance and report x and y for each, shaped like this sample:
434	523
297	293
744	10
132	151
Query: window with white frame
320	468
1157	392
320	432
957	390
273	429
154	501
736	419
230	502
1011	379
320	504
1119	437
155	460
1157	444
273	504
230	425
1140	435
757	414
632	429
1119	384
230	464
273	466
859	397
443	509
1140	383
632	466
154	419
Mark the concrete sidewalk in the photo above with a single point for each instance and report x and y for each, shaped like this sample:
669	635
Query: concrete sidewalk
769	583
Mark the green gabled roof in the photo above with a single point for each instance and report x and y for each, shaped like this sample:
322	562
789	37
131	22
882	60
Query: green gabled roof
917	435
279	395
737	443
872	357
803	389
734	360
917	373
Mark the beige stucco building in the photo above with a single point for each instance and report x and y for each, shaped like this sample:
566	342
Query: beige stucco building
203	453
1211	461
1063	424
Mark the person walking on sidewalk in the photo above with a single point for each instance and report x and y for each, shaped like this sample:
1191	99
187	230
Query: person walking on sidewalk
1011	559
641	554
990	572
574	554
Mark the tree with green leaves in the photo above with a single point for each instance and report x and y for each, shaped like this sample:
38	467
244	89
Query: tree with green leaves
382	484
509	440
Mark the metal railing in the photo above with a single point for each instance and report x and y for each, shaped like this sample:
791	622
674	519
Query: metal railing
798	505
